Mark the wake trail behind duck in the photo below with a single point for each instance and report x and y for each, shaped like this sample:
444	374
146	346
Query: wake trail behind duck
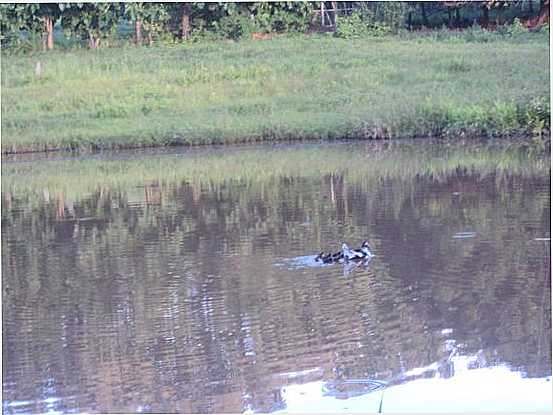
306	261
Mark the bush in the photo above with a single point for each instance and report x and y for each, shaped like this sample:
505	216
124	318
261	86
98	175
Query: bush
290	20
384	16
200	32
282	16
356	26
235	26
538	116
515	29
352	26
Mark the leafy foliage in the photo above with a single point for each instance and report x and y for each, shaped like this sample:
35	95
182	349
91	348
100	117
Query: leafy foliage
384	16
16	18
91	21
22	24
234	26
352	26
152	17
13	20
356	26
517	28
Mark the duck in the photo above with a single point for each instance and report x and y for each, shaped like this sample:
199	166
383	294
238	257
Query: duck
365	249
329	258
355	254
346	254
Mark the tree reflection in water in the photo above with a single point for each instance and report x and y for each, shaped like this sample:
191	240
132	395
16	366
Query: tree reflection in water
168	297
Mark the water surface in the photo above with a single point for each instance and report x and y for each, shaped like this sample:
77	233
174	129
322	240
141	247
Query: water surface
183	280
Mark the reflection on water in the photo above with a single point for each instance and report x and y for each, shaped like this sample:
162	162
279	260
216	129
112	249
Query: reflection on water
180	296
472	389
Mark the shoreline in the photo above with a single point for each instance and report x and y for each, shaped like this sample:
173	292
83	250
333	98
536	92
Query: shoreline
238	144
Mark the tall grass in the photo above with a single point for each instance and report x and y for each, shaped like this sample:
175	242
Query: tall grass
285	88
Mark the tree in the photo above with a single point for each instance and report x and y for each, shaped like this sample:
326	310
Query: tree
542	17
423	14
47	14
485	15
91	21
149	19
13	19
186	10
33	18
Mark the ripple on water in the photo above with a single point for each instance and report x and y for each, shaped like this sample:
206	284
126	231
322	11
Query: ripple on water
203	296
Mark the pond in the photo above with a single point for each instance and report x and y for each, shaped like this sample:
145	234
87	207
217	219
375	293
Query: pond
183	280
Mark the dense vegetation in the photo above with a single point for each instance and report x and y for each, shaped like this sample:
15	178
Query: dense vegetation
23	26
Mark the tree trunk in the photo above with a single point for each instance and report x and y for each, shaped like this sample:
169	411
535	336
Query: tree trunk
531	7
424	17
485	16
93	42
541	18
185	21
49	27
138	32
334	14
409	21
544	12
449	17
457	17
94	31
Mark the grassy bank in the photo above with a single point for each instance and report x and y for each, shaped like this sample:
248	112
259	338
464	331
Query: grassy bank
284	88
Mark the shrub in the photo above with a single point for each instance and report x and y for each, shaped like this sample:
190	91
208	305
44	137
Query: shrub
290	20
388	16
351	26
235	26
200	32
538	116
516	28
357	25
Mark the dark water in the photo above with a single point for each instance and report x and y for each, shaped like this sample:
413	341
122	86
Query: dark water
182	297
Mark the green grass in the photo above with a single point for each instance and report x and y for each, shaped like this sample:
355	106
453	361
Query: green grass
287	88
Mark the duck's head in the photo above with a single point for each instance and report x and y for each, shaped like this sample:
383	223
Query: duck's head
365	249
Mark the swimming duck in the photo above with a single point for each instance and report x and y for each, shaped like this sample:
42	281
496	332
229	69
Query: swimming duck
329	258
355	254
346	254
365	249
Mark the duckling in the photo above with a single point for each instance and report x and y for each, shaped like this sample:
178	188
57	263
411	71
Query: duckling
328	258
335	257
320	257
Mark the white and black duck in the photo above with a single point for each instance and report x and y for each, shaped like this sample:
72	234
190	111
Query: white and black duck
355	254
347	254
